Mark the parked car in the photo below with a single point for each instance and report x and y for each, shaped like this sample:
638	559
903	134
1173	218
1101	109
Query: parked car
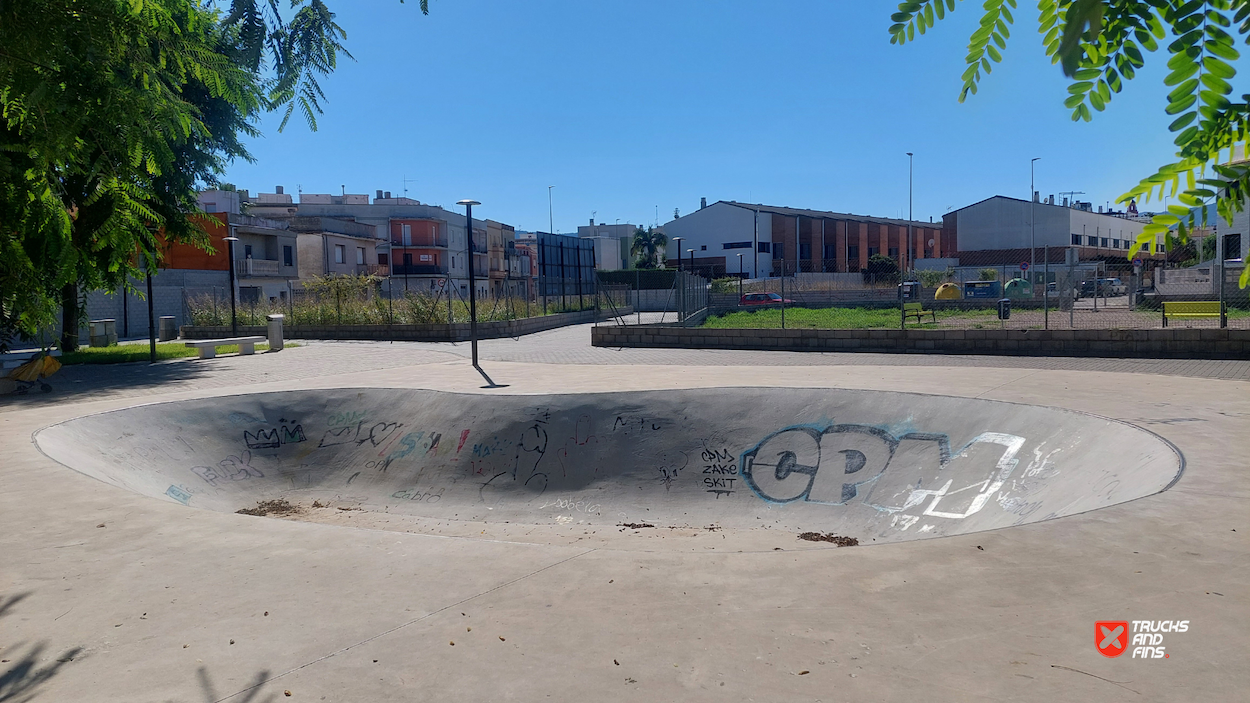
763	299
1104	287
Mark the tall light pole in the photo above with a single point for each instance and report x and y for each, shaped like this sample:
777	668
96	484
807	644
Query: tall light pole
551	218
740	279
234	320
1032	221
910	171
468	216
681	289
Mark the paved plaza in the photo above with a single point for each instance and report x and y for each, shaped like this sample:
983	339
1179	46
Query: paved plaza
111	595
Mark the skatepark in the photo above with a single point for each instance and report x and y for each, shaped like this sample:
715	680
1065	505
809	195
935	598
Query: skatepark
623	525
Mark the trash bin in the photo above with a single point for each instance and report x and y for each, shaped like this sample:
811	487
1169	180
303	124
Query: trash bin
167	328
1004	308
275	332
103	333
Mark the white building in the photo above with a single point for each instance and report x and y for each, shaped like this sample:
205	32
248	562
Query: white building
1002	223
612	244
773	239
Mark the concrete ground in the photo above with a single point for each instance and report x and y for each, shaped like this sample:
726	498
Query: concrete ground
107	595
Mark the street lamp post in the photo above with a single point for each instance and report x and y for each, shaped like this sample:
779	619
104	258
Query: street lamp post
681	289
910	171
234	320
1032	222
740	279
468	216
551	218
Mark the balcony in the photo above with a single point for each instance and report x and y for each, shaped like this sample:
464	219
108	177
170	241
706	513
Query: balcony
253	268
419	241
419	270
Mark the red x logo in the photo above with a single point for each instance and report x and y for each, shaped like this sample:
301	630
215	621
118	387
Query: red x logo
1111	637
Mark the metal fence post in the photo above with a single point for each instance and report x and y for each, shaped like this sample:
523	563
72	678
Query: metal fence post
1046	287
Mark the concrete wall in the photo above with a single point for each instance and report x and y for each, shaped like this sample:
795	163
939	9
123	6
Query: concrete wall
458	332
1179	343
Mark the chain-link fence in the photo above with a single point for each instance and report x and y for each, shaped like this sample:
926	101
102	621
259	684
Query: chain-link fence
374	304
656	296
1050	295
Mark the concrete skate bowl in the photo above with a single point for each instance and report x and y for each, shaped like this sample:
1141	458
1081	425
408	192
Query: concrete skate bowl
876	466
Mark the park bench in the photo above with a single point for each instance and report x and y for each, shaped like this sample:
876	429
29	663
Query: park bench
1188	309
917	311
208	347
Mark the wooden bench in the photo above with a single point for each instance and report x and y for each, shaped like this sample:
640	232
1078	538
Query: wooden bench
917	311
208	347
1189	309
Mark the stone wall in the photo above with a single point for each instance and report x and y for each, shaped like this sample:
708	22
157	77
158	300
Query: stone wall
458	332
1159	343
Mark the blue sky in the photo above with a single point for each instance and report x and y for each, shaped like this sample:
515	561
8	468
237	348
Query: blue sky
626	107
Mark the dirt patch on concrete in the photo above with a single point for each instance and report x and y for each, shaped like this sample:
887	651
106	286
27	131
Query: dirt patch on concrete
277	508
839	540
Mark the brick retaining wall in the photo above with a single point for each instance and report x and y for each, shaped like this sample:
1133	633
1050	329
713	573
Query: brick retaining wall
1157	343
458	332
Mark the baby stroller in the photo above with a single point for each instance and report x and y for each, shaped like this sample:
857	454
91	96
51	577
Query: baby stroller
30	374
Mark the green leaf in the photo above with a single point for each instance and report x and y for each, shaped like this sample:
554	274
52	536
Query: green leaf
1182	121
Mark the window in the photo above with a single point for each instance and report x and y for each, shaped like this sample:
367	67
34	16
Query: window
340	253
1159	248
1093	241
737	245
873	251
805	251
764	247
247	251
1076	239
831	252
407	259
703	248
1104	242
288	256
384	259
1232	246
407	235
360	256
893	252
779	250
852	253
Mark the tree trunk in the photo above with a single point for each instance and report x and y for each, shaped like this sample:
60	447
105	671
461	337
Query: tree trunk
69	318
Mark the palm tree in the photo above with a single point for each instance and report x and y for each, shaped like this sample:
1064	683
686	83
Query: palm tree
647	247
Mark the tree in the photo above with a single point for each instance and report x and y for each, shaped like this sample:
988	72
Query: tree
113	113
882	268
648	247
1100	45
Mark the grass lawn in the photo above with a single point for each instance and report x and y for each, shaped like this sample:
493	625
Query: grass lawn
125	353
833	318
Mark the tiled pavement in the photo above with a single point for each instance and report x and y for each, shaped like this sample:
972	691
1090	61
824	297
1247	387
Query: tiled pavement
568	345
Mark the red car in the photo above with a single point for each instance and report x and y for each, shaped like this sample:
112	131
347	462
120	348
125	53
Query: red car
763	299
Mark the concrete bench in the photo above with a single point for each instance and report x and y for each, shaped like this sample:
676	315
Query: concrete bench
1190	309
208	347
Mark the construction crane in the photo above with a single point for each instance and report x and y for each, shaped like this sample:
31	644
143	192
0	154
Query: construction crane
1070	196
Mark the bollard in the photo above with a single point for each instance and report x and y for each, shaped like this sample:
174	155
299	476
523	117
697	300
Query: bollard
167	328
103	333
275	332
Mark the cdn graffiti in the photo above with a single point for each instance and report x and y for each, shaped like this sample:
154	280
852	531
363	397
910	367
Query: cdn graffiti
839	464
